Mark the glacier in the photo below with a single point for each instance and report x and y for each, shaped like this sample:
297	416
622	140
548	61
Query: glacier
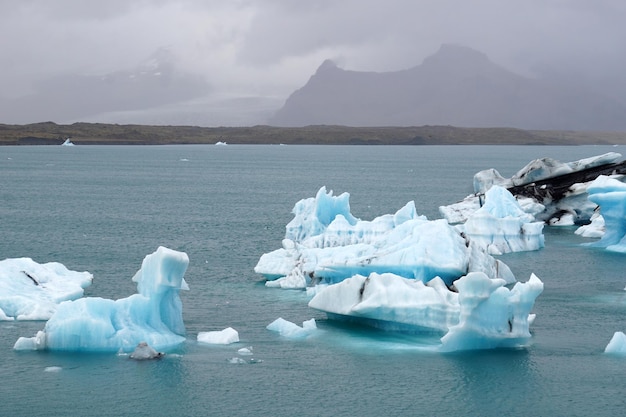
153	315
33	291
404	272
325	244
572	207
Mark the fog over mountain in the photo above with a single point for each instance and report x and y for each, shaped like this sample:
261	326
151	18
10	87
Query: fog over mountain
456	86
234	63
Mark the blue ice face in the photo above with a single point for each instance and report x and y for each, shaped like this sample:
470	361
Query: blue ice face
610	195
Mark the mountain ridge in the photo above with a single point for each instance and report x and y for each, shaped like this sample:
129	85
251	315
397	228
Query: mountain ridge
455	86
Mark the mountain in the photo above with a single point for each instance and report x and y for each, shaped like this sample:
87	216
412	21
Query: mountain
153	83
456	86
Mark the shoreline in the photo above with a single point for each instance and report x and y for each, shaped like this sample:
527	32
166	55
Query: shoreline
49	133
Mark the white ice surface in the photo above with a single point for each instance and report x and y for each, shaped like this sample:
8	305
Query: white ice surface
617	344
291	330
32	291
220	337
502	226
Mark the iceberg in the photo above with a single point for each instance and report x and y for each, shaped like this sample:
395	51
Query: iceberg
152	316
67	142
610	195
325	244
404	272
617	344
291	330
483	314
554	192
502	226
221	337
32	291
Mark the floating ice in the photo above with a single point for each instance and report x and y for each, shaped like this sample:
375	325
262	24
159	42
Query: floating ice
32	291
595	229
557	209
221	337
245	351
143	351
610	195
324	243
153	315
483	314
501	226
617	345
67	142
291	330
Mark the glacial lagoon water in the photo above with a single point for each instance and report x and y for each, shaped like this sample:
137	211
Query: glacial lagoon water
103	208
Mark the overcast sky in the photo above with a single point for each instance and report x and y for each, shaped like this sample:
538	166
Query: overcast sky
272	47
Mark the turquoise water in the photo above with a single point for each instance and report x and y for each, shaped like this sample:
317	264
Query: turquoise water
102	209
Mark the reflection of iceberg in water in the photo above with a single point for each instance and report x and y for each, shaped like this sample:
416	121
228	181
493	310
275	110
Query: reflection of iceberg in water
153	315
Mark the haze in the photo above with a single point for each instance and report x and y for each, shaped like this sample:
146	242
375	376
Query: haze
217	63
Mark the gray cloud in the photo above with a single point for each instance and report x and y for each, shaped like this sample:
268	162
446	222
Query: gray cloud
271	47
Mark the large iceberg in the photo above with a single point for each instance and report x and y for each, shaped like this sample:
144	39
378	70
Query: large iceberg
33	291
404	272
325	243
563	204
483	314
502	226
610	195
153	315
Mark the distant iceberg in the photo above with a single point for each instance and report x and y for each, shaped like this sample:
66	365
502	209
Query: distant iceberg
326	244
67	142
32	291
220	143
153	315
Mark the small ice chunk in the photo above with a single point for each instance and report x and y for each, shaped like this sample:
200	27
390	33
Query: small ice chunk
291	330
221	337
245	351
144	351
617	344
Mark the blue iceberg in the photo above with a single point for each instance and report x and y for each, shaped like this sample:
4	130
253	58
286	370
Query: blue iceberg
610	195
152	316
326	244
33	291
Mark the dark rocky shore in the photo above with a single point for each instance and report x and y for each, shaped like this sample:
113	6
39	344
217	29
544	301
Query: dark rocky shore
49	133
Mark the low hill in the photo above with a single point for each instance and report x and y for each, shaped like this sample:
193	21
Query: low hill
112	134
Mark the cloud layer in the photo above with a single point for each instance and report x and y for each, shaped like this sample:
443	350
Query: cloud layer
269	48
